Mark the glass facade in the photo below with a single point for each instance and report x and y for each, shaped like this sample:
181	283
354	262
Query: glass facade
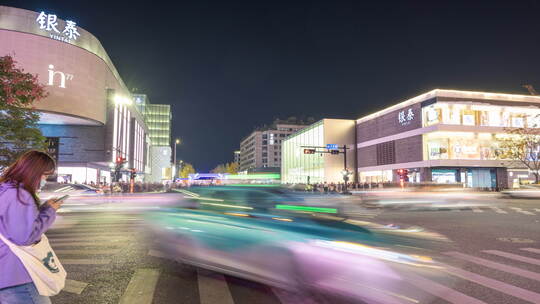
467	114
158	119
297	167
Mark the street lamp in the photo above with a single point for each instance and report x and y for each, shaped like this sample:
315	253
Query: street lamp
176	142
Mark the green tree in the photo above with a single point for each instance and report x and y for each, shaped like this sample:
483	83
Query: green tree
18	118
187	169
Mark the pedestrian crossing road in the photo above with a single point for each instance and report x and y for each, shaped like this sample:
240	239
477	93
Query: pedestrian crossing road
110	260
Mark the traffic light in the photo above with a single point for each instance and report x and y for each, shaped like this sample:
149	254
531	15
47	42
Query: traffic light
133	173
334	151
309	151
403	174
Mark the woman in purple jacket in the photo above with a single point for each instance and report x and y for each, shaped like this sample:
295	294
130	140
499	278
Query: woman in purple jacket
23	220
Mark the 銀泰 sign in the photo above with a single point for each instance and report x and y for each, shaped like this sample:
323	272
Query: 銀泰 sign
405	117
49	22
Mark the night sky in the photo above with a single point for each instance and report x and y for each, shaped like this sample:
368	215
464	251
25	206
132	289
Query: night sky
227	67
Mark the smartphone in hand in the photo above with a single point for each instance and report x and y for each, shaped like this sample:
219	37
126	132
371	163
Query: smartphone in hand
62	198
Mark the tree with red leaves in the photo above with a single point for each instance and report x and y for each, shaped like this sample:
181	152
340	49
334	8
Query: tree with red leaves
18	118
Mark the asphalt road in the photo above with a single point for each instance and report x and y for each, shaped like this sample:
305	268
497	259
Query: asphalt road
109	256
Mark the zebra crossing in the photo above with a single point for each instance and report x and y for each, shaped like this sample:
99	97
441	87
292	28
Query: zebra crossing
513	273
485	209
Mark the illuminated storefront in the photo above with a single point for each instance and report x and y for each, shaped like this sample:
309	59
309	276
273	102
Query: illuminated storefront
89	113
297	167
445	136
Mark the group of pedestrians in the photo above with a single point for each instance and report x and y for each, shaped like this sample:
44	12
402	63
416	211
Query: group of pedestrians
338	187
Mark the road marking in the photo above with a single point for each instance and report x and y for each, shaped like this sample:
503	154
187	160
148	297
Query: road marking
157	254
87	234
85	261
112	243
494	265
529	296
537	209
498	210
441	291
514	257
475	209
519	210
93	238
531	250
73	286
213	288
141	287
87	251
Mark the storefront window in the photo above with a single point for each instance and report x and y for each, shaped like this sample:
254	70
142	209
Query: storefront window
480	115
461	145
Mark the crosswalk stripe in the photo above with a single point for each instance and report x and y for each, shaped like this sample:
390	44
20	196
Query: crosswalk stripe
478	210
86	251
498	210
535	250
85	261
96	234
519	210
514	256
141	287
73	286
112	243
157	254
213	289
93	238
537	209
441	291
515	291
494	265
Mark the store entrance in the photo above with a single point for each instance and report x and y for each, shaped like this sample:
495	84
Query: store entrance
484	178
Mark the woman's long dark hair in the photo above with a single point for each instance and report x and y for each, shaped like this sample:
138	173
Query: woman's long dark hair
27	171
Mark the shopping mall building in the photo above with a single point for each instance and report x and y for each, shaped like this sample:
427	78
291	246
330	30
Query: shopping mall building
88	117
445	136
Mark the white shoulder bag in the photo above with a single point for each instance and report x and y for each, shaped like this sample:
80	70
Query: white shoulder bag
42	264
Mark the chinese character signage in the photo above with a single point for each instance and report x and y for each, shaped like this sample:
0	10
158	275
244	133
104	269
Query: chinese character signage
405	117
49	23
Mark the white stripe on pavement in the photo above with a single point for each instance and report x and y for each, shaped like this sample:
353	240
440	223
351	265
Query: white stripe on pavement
85	261
535	250
519	210
112	243
494	265
157	254
141	287
73	286
55	240
86	251
514	257
475	209
213	288
498	210
441	291
529	296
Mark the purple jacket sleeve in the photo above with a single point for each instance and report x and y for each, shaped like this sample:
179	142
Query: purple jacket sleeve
24	223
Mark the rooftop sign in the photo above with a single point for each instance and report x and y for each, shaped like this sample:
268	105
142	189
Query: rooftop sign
49	22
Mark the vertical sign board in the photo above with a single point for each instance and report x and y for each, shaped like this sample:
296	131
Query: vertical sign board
53	144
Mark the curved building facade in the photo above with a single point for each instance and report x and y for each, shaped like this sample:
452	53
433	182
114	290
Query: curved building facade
88	117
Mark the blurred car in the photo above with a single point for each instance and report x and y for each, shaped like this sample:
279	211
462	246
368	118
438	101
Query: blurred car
52	189
296	247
